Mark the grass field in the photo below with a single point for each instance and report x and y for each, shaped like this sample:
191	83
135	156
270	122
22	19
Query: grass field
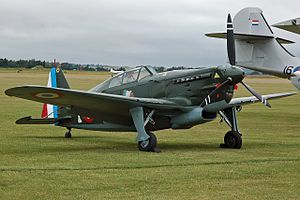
37	162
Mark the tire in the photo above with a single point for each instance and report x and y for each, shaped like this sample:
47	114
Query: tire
149	144
68	134
233	140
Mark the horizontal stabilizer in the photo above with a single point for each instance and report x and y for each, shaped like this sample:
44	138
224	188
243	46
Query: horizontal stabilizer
292	25
29	120
243	36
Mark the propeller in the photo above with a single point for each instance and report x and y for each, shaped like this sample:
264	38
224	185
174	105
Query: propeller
257	95
209	99
232	59
230	41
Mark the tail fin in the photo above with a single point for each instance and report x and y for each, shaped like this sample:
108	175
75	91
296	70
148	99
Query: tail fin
266	54
252	22
257	47
56	80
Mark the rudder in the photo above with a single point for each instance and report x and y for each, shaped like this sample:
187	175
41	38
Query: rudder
56	79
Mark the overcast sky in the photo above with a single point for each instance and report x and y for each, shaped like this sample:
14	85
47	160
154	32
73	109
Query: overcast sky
127	32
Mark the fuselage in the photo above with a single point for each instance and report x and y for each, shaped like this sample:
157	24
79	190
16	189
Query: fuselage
186	88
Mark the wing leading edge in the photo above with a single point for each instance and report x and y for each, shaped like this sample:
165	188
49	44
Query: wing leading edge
253	99
100	102
235	102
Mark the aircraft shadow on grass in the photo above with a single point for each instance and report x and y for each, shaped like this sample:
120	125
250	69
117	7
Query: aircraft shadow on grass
106	143
110	143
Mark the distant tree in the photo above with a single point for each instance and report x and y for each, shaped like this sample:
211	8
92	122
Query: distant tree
3	62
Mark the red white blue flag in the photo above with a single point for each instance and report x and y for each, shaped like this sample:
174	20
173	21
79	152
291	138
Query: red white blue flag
254	22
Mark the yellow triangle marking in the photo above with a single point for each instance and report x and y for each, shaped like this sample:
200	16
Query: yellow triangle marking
217	76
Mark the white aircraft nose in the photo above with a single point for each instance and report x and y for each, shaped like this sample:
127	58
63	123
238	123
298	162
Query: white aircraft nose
297	73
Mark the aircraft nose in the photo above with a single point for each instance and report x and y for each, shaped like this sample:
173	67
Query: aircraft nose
236	73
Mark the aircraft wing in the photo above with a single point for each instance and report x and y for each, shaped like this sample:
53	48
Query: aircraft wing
253	99
235	102
100	102
116	105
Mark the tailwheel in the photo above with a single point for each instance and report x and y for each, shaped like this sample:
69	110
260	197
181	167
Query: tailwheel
233	140
68	134
149	144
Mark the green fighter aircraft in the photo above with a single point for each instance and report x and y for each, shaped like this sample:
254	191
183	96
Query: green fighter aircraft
142	100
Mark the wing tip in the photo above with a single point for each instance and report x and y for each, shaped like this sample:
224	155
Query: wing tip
23	120
9	92
12	91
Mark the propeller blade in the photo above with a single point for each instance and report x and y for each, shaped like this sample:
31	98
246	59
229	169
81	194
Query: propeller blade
208	99
258	96
230	41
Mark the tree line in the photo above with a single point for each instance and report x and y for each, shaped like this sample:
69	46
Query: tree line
4	62
23	63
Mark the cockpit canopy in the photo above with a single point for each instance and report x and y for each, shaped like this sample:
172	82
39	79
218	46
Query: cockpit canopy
130	76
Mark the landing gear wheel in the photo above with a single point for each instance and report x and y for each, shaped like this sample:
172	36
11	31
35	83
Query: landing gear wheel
232	140
68	134
149	144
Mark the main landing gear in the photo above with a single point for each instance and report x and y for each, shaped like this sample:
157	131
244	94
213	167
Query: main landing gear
68	134
147	141
233	138
149	144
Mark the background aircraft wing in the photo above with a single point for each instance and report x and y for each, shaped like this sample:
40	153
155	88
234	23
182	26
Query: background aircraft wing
100	102
253	99
292	25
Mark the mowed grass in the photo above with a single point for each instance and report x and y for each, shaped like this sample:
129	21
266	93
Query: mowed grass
37	162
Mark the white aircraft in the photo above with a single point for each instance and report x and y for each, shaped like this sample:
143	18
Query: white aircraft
116	71
258	48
